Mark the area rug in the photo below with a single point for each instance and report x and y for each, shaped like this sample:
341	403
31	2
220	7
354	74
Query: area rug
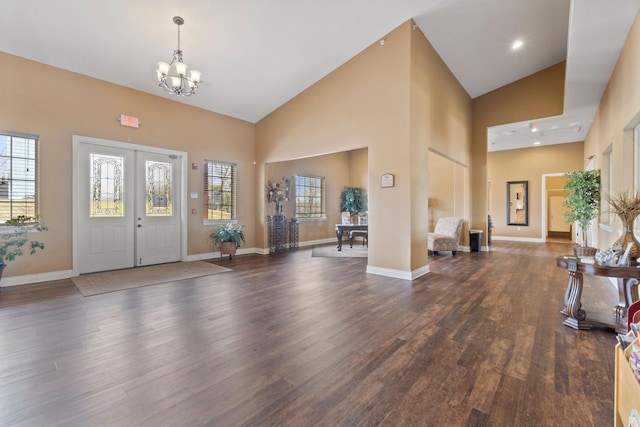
117	280
332	251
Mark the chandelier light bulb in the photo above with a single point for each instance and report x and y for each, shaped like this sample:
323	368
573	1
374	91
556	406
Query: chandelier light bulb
178	83
181	68
163	68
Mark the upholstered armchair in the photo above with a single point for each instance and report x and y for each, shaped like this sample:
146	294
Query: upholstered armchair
446	235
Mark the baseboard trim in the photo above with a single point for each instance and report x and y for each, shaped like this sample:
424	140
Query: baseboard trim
35	278
518	239
418	272
388	272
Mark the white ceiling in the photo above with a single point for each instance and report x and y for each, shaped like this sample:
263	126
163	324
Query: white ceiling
255	55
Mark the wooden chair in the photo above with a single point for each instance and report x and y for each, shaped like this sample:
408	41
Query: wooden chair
363	234
446	235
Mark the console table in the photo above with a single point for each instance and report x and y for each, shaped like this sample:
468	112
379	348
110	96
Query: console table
341	228
577	318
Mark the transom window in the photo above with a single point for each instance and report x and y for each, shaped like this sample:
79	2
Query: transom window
309	197
219	190
18	175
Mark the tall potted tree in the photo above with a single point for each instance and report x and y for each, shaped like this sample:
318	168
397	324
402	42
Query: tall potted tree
352	200
582	197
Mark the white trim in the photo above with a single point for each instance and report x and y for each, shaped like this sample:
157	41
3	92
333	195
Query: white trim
318	242
418	272
543	204
388	272
518	239
213	255
28	279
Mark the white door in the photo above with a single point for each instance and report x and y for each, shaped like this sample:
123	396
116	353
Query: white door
128	208
157	208
556	211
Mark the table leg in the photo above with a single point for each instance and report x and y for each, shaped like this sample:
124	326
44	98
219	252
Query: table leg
339	233
572	306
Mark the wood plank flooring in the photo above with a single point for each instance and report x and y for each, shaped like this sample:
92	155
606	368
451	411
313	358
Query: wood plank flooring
291	340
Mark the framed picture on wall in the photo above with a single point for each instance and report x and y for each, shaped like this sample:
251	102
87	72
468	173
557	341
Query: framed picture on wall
387	180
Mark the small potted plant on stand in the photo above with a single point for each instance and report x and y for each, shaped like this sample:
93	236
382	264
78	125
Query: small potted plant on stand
228	238
16	241
582	197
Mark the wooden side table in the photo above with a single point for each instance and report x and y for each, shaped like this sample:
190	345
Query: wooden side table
577	318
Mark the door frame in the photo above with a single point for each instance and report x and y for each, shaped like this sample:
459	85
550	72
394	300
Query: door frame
77	140
544	213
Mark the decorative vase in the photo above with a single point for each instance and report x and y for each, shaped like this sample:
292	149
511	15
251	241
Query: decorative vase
620	245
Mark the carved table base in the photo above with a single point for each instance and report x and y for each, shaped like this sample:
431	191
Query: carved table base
578	318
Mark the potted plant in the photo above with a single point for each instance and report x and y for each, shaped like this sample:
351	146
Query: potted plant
352	200
582	197
14	242
229	237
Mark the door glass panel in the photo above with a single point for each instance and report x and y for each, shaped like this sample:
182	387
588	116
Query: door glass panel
159	189
106	198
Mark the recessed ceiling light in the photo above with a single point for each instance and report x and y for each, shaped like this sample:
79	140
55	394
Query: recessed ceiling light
536	143
516	44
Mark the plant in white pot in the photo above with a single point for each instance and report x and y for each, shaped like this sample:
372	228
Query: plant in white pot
228	238
15	241
582	197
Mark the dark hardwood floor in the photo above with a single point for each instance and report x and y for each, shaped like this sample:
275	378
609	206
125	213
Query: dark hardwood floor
291	340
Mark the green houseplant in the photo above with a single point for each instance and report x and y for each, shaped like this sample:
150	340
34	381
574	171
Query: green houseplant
582	197
228	237
352	200
16	241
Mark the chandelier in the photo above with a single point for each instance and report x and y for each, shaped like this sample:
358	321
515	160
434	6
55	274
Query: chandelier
178	82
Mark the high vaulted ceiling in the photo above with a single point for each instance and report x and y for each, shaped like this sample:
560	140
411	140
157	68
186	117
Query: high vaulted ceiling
255	55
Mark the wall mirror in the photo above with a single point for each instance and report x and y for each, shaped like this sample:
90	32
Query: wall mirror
517	203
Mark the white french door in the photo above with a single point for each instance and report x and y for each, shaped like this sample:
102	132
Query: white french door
157	208
127	207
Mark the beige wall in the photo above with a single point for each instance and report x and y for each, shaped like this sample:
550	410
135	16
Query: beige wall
57	104
396	99
440	124
527	164
617	114
536	96
348	168
447	182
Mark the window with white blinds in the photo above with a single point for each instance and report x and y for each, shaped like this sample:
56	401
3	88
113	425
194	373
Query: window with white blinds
220	191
